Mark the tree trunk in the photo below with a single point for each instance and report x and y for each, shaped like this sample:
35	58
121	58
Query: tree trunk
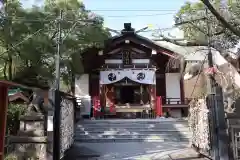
10	67
72	83
5	70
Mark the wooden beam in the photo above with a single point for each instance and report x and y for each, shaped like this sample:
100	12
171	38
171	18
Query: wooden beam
3	116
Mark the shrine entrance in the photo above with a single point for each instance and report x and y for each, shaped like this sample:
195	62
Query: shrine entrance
127	94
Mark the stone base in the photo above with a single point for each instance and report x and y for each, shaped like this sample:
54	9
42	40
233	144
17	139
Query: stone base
30	151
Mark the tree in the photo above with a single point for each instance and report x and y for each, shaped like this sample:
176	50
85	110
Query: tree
28	40
196	27
81	29
221	18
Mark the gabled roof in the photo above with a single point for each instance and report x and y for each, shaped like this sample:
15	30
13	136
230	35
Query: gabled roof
138	39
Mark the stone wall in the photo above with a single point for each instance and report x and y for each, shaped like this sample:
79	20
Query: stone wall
67	114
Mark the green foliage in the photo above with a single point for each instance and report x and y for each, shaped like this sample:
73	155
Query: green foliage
28	40
11	157
13	114
222	38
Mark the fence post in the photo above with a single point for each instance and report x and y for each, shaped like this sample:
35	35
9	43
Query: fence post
223	141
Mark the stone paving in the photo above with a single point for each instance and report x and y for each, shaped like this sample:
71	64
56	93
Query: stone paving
133	151
185	154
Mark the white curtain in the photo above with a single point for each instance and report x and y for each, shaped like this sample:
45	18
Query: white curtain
140	76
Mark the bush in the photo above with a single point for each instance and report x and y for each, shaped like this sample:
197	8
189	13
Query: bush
13	115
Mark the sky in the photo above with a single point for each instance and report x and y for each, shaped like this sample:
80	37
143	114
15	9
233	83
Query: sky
140	13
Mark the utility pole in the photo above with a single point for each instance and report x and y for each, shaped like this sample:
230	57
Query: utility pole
57	109
211	96
219	138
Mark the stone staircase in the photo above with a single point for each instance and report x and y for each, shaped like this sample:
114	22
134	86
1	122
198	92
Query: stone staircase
128	139
156	130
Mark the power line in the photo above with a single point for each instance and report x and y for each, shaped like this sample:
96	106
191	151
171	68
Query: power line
16	18
79	20
169	12
141	15
146	10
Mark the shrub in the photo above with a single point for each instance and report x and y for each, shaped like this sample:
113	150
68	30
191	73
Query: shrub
13	115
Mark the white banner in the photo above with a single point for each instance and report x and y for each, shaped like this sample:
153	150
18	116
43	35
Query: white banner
140	76
108	77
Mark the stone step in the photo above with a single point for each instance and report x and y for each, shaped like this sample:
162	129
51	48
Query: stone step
124	140
118	132
143	125
140	129
137	121
143	132
153	136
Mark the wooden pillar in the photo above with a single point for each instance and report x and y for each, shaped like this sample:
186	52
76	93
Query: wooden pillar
141	94
152	96
45	94
3	117
102	97
182	93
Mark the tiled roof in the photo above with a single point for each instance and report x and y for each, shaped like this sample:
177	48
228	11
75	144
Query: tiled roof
198	53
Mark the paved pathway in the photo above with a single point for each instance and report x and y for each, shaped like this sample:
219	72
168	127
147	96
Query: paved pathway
132	151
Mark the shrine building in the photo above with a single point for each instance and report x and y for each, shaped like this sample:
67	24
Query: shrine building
132	75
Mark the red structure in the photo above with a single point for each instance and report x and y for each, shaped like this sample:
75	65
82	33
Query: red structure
3	116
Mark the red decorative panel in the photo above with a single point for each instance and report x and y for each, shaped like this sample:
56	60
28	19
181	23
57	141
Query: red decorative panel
159	111
110	97
96	106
